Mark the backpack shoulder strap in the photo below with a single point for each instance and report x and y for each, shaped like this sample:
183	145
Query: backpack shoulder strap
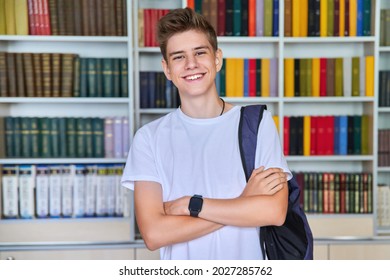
250	119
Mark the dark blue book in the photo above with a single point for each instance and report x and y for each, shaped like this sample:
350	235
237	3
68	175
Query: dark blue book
275	19
359	23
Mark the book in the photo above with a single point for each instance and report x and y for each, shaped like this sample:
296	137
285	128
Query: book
68	172
21	17
268	17
287	18
42	191
356	76
90	190
55	187
289	77
79	185
26	191
108	137
10	192
369	76
323	18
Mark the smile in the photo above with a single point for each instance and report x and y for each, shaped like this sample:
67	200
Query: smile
194	77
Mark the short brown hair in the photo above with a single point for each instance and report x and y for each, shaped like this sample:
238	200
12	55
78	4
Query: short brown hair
181	20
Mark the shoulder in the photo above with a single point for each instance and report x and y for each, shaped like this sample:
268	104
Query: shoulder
152	128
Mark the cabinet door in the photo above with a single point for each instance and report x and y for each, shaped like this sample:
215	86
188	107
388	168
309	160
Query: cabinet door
360	252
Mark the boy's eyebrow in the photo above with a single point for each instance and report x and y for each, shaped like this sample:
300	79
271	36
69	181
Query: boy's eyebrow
194	49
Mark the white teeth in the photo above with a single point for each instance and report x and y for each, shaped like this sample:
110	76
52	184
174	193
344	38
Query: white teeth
194	77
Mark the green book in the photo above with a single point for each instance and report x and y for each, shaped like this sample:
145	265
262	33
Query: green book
25	124
330	18
116	72
222	79
2	143
35	137
268	17
369	193
258	77
91	77
62	136
320	193
45	124
356	76
365	135
307	202
337	201
367	17
309	75
99	77
347	191
338	87
54	137
9	136
124	89
71	137
237	18
76	76
17	137
98	137
88	142
303	77
83	78
107	74
357	135
80	138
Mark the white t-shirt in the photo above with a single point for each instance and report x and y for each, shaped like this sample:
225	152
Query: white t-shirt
190	156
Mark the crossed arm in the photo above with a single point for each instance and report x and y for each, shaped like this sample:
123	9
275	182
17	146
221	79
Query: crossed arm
262	202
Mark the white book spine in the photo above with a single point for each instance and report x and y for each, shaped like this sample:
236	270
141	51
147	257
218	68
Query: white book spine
10	193
101	193
111	191
67	191
55	191
27	191
42	192
79	185
90	191
119	193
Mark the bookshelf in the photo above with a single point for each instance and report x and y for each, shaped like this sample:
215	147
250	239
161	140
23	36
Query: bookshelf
64	237
141	58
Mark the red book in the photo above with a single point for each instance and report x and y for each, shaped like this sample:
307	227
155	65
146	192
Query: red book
31	18
147	27
221	18
40	21
331	193
323	76
321	135
252	77
313	135
286	135
252	18
191	4
329	135
46	30
342	193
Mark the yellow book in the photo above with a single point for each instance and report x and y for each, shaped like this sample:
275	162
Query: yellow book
306	135
289	77
303	15
369	76
323	18
352	17
2	18
9	7
342	18
315	77
230	80
296	4
276	121
21	17
265	69
239	89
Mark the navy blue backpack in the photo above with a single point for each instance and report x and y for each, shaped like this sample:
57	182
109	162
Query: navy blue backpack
293	240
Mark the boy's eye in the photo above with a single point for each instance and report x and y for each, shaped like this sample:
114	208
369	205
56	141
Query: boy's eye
200	53
177	57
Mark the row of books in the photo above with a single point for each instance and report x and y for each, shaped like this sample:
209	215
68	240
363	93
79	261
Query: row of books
384	88
62	75
385	28
75	137
384	147
147	26
329	18
383	205
63	17
346	76
336	192
248	77
156	91
54	191
240	18
326	135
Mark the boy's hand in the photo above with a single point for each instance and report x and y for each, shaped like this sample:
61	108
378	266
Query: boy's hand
265	182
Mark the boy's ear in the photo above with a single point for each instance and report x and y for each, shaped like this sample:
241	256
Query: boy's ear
165	67
218	60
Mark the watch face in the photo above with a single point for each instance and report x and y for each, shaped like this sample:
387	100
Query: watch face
196	204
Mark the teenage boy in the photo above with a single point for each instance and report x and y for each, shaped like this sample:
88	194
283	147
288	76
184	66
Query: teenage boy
191	197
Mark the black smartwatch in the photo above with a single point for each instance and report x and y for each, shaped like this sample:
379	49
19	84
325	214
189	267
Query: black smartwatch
195	205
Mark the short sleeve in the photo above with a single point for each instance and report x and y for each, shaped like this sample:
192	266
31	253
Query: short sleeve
140	164
269	151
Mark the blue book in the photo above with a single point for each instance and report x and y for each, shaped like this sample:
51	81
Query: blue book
218	82
275	19
343	135
246	77
143	89
151	92
359	23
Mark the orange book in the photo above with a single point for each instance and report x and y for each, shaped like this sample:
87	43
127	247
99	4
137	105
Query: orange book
239	73
296	4
289	77
323	18
352	17
306	135
265	76
276	121
252	18
303	15
191	4
230	77
342	18
315	77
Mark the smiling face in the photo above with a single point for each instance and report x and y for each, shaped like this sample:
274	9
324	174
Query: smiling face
192	63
